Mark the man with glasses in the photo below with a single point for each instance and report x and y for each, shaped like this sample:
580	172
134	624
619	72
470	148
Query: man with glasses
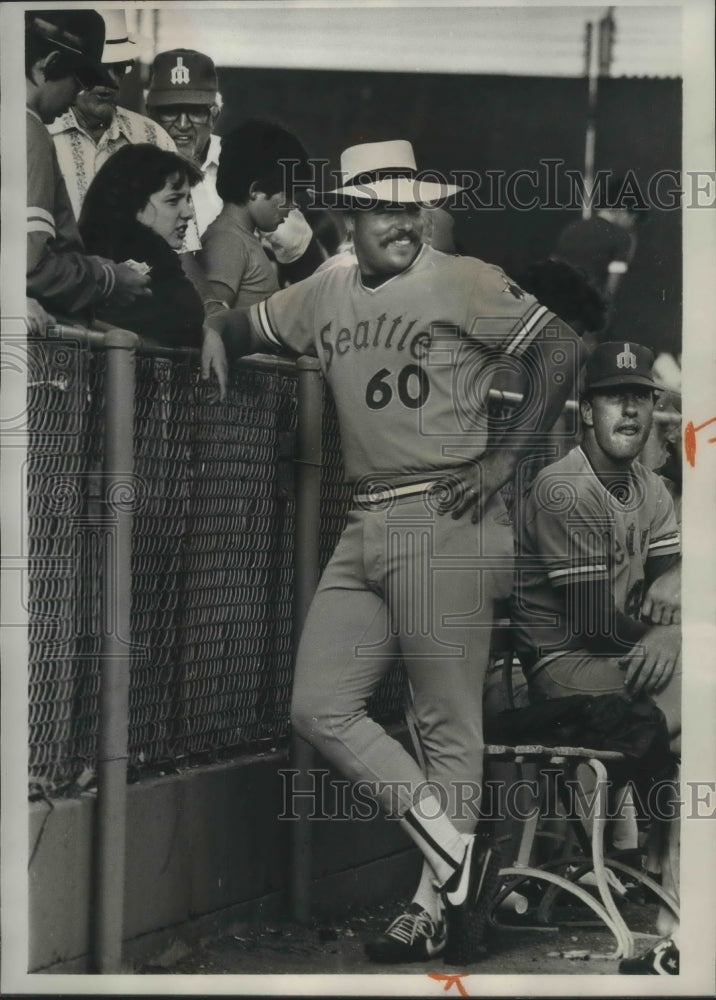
184	98
87	134
62	54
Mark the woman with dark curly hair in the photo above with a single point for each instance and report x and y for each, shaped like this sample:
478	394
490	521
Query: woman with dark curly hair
138	208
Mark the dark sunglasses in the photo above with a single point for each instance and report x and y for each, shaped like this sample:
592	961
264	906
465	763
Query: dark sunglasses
85	81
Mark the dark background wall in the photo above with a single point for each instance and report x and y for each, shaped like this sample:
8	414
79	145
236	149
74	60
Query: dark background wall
498	123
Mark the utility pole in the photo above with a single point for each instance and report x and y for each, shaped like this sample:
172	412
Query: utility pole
598	56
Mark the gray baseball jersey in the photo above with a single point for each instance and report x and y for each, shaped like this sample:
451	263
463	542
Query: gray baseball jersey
409	363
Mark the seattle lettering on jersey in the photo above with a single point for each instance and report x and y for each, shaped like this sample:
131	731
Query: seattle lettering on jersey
381	333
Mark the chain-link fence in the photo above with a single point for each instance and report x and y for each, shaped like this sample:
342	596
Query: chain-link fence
212	561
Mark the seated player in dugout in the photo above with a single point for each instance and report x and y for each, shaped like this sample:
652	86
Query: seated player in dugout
596	608
408	340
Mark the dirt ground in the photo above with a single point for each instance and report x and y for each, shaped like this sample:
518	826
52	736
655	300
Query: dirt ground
577	947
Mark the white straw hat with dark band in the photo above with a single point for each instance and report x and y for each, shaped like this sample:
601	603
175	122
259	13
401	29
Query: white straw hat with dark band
387	171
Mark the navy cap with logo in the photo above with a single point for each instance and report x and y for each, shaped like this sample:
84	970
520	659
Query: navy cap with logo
182	76
619	362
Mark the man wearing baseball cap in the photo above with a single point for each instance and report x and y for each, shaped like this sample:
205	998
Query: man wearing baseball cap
595	608
63	51
409	339
87	134
184	98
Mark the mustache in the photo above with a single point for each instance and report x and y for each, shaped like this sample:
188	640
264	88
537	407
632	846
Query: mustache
401	234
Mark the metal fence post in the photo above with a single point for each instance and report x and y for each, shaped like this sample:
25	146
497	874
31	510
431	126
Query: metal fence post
308	523
115	652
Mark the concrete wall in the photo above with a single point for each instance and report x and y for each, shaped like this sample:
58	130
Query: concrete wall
201	845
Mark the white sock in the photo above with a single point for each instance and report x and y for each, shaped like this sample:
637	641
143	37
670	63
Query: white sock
427	894
442	846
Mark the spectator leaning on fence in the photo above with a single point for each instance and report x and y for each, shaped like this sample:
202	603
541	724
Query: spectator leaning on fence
62	54
404	337
184	98
95	126
138	208
256	195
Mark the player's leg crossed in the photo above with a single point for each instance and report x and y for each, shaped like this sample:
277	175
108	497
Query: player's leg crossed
347	646
442	583
344	652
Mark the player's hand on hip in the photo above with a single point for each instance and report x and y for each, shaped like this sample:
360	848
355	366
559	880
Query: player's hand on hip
470	487
650	666
662	604
213	357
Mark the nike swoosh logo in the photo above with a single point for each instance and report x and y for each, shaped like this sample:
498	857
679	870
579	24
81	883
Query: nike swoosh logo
459	895
435	946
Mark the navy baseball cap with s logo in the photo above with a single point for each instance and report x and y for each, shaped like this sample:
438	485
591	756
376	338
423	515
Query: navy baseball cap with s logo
619	362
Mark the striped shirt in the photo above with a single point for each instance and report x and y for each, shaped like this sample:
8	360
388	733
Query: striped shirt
60	275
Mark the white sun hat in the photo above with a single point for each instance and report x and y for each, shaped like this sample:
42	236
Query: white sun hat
387	171
117	46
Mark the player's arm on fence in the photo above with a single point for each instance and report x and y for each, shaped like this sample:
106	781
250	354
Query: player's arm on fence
228	332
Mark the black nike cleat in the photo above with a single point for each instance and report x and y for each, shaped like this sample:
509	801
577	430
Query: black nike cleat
468	905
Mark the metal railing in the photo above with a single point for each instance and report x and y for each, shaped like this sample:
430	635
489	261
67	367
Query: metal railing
213	502
172	556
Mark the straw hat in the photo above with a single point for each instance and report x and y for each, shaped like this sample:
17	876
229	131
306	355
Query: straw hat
386	171
117	46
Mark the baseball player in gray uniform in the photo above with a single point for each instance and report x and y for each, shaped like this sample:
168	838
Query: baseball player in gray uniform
409	339
597	609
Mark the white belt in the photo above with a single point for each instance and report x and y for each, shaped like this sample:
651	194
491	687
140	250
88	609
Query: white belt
393	492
